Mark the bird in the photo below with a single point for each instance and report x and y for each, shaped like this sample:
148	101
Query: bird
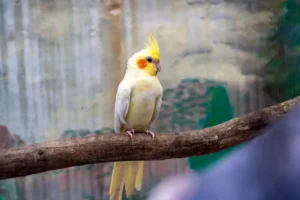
137	105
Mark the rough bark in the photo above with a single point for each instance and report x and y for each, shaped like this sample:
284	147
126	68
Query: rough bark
64	153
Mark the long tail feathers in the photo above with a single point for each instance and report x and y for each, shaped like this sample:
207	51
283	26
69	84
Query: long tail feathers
139	175
129	173
117	181
132	168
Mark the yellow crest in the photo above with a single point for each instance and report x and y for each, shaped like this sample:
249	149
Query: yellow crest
152	46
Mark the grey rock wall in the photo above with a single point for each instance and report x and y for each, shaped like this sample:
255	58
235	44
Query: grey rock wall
61	61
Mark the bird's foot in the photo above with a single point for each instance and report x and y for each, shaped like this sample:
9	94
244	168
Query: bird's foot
130	133
148	132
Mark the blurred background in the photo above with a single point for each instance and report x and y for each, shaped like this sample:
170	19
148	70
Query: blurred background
61	62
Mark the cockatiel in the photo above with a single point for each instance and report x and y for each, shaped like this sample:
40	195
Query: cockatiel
138	102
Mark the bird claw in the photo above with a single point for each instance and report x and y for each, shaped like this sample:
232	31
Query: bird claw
148	132
130	133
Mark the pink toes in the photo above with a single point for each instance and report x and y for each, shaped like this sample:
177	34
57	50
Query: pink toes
148	132
130	133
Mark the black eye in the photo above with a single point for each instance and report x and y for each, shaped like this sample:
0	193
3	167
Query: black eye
149	59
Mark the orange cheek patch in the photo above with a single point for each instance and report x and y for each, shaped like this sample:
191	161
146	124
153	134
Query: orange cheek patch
141	63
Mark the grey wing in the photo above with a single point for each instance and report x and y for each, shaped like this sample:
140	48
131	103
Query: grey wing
156	110
122	105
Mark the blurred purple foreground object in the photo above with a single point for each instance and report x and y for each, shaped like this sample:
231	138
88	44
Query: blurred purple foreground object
268	168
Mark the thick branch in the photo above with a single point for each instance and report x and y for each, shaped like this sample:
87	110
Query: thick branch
58	154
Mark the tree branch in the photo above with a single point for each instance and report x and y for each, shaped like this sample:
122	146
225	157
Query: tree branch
64	153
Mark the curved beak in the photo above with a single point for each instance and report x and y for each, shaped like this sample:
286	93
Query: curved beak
158	66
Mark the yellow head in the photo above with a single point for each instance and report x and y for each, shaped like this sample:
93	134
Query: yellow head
148	59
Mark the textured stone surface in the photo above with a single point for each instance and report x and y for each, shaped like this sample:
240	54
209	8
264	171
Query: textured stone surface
66	70
60	58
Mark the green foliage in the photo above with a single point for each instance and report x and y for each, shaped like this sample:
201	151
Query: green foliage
8	190
282	48
184	105
69	134
104	131
219	110
2	197
293	11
